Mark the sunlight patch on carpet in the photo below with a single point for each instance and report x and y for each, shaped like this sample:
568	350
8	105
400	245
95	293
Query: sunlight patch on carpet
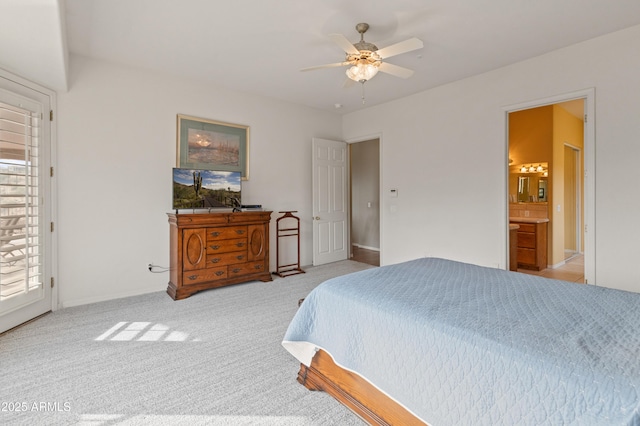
143	332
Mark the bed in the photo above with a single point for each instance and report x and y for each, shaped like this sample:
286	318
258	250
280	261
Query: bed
440	342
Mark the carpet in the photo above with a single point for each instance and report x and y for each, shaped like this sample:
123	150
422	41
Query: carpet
214	358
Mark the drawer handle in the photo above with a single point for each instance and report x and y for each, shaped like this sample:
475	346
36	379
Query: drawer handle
240	231
192	277
215	247
215	260
215	233
240	245
218	273
257	267
236	270
240	257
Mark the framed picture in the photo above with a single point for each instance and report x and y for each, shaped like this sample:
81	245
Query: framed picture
212	145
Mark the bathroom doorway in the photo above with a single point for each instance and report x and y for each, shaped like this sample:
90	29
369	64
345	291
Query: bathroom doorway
547	144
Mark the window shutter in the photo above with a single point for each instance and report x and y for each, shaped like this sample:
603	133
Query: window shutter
21	241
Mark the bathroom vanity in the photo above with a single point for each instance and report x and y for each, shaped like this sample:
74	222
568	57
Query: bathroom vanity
531	242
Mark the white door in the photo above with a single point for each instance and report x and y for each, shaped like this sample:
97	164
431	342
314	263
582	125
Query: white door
25	289
330	231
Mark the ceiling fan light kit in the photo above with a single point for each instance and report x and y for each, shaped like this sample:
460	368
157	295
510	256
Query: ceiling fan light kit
362	71
365	59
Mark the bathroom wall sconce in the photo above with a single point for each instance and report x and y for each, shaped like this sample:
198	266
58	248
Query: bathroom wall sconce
531	168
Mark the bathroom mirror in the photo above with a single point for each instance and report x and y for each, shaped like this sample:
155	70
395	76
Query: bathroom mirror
523	189
542	190
528	183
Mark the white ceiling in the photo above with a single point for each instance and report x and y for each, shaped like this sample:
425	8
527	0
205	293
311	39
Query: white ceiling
259	46
33	41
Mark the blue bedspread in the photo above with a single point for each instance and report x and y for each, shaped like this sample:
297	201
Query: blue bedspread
461	344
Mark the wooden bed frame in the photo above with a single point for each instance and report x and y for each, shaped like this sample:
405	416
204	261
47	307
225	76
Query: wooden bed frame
354	392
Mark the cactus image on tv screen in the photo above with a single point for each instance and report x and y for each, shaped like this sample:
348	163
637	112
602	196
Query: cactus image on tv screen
206	189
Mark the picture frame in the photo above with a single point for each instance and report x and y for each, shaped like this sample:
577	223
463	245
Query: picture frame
212	145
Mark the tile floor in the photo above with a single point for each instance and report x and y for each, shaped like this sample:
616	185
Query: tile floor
572	270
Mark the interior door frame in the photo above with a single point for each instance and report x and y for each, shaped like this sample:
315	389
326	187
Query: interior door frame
23	87
589	172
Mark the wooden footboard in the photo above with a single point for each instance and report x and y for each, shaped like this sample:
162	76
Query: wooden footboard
354	392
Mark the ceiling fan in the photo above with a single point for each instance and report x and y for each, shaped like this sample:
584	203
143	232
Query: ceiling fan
365	59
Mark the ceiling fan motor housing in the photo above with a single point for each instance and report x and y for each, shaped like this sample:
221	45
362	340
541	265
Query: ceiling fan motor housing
367	56
367	50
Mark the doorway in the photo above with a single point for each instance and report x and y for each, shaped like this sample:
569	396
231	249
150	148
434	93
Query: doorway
26	191
558	135
365	201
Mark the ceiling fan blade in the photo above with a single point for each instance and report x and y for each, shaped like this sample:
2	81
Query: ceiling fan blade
402	47
395	70
337	64
344	43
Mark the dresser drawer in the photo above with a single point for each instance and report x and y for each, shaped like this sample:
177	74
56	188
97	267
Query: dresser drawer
221	259
527	227
225	233
246	268
225	246
526	256
204	275
526	240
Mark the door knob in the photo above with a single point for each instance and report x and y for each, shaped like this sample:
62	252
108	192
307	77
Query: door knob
316	218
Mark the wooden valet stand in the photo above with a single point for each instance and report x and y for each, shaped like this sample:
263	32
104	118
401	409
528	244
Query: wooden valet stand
282	232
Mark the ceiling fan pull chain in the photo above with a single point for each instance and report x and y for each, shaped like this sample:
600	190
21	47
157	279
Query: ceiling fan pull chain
362	82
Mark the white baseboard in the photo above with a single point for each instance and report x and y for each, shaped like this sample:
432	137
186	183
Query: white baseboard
557	265
366	247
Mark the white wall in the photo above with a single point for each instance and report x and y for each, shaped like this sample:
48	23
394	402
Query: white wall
445	151
116	148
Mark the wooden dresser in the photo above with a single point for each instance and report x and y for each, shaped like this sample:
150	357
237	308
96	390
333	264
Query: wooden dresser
532	244
209	250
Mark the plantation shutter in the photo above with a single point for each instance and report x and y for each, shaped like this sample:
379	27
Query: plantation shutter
21	233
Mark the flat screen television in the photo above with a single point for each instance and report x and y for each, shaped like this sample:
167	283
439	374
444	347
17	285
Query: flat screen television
206	189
